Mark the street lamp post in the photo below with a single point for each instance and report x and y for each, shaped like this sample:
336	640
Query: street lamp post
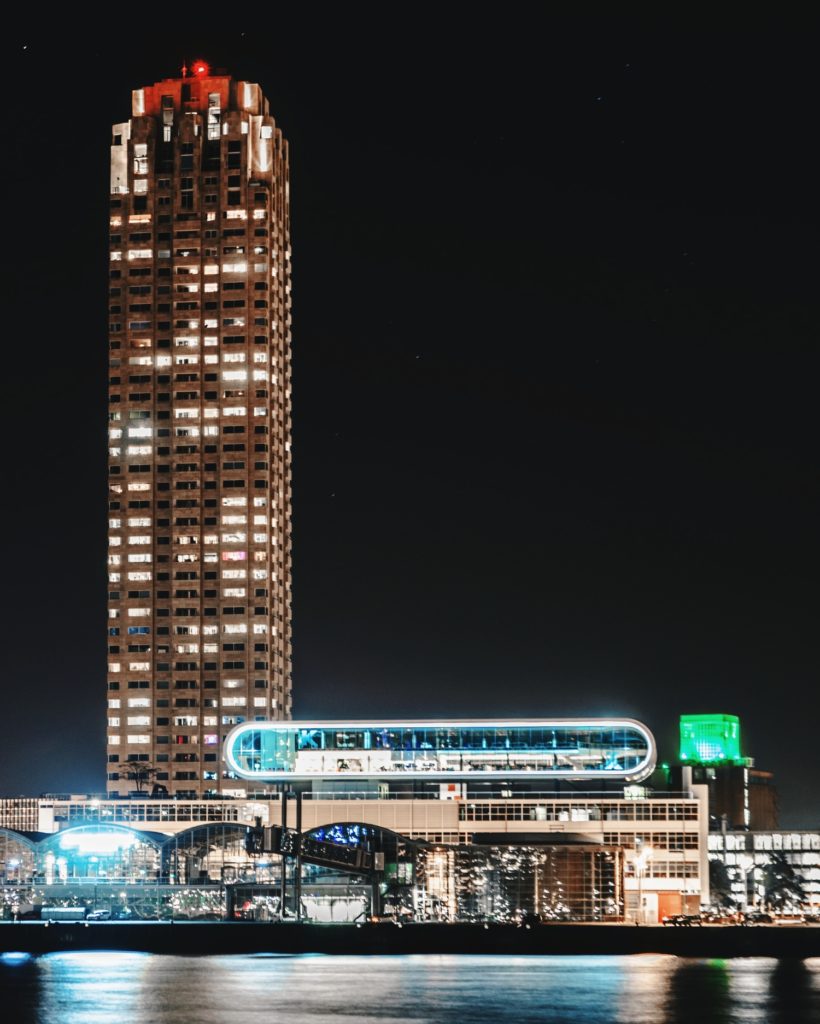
643	858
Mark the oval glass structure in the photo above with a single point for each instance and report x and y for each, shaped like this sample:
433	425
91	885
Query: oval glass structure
618	749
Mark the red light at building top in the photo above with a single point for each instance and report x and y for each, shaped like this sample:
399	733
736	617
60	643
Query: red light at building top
200	68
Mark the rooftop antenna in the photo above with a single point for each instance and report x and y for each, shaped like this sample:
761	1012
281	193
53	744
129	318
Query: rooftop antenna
184	69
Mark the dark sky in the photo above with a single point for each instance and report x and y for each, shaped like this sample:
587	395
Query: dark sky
555	371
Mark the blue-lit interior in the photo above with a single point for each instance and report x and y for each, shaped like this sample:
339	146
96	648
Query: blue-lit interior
439	750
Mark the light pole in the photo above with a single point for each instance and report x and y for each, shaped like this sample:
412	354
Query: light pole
642	859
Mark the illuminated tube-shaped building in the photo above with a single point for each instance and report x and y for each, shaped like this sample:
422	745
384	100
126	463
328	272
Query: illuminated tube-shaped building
616	749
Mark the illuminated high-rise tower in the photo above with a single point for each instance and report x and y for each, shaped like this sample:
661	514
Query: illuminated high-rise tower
199	431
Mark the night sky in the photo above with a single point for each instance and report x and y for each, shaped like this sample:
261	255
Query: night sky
555	372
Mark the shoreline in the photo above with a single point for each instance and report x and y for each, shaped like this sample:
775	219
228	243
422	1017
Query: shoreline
209	938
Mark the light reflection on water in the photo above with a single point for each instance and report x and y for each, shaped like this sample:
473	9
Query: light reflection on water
135	988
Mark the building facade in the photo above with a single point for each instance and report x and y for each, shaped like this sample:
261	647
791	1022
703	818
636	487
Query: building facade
651	848
746	856
518	802
199	431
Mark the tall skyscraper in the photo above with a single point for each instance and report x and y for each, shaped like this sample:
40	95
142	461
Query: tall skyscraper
199	562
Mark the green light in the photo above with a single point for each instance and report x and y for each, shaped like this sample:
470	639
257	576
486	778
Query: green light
710	739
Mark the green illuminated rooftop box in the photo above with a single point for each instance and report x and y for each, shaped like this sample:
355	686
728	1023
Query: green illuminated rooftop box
710	739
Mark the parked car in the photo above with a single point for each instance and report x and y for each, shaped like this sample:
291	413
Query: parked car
683	920
99	915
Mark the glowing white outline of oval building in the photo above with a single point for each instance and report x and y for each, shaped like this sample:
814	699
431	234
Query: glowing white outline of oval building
429	763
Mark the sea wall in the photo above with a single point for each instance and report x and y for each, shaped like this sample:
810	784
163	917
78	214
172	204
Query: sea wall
799	941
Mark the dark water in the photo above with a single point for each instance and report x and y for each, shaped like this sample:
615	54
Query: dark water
135	988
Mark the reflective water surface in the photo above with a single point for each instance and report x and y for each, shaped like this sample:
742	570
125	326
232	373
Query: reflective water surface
136	988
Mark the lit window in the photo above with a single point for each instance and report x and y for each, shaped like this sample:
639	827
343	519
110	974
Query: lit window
139	538
113	741
233	574
140	158
139	702
234	520
136	577
234	556
211	739
138	613
235	375
233	357
135	558
234	502
137	738
114	666
235	410
260	702
140	254
233	702
234	538
227	268
234	592
235	629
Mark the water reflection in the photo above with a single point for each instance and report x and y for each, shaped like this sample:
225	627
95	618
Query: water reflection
105	987
794	993
700	990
